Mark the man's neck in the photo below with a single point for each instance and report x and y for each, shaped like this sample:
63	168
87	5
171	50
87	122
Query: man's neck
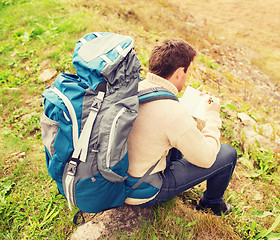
159	81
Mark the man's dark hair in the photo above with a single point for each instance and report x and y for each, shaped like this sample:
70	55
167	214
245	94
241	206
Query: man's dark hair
169	55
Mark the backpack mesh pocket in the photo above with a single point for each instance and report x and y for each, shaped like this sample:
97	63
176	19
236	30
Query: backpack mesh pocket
49	129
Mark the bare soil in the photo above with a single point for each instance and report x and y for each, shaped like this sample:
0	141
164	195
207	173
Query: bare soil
253	23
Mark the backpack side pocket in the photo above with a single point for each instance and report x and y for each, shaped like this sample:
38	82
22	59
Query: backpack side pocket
49	129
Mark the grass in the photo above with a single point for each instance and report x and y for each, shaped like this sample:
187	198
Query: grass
30	206
173	220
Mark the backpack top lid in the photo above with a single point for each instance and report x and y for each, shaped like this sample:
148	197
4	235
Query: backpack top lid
96	55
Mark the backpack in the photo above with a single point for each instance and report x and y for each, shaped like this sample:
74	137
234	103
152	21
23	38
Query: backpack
86	121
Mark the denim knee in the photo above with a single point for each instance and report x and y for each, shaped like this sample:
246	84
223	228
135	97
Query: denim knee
229	153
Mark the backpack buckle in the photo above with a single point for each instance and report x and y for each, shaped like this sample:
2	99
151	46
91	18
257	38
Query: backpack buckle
96	105
72	168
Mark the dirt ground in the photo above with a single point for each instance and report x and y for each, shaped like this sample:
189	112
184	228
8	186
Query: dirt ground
254	23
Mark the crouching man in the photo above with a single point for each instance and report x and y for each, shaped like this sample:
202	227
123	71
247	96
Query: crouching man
166	133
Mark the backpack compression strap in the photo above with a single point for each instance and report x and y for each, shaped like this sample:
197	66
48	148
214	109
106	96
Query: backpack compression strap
156	93
149	95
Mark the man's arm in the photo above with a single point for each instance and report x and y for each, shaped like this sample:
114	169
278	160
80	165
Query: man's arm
198	147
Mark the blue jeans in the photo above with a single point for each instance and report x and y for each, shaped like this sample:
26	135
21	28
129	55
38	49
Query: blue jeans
181	175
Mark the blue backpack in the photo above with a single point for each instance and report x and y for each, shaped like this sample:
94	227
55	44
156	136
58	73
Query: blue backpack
86	121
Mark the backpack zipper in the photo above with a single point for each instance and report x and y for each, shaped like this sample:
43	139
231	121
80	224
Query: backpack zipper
112	133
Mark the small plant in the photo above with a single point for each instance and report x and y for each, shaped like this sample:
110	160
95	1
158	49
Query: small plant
261	163
209	63
267	232
5	189
264	162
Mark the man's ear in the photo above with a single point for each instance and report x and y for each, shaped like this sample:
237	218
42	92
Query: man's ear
176	77
179	73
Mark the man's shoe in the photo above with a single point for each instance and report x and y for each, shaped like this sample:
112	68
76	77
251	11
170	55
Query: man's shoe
217	209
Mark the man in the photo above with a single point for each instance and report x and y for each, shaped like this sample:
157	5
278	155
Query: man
165	124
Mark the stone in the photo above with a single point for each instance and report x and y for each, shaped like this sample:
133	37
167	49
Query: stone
45	63
203	69
246	119
113	222
191	24
251	137
89	231
267	130
47	75
277	139
26	117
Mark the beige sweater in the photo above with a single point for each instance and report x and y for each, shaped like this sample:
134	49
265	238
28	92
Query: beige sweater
164	124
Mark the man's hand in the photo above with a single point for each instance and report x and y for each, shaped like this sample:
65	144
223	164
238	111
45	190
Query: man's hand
213	103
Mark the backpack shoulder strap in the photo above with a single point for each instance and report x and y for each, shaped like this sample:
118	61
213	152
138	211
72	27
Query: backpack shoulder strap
148	95
156	93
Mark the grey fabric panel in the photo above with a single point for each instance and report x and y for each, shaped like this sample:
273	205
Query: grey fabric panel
122	92
100	46
89	168
101	133
119	138
122	71
49	129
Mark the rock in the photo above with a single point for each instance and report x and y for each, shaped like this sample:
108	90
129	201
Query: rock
251	137
11	89
191	24
26	117
112	222
277	139
267	130
47	75
18	156
45	63
89	231
202	69
246	119
22	154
